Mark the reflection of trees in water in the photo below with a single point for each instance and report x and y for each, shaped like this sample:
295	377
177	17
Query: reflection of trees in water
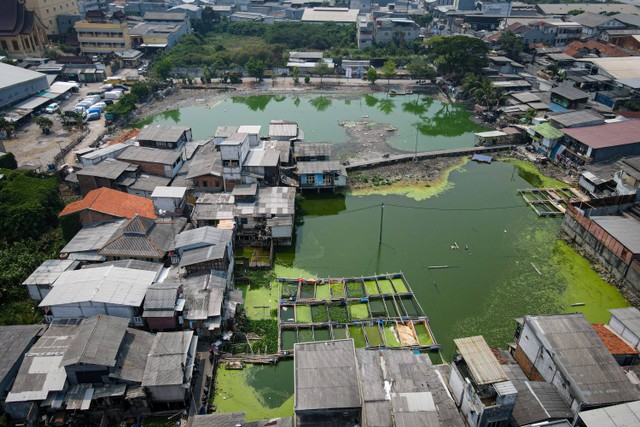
386	105
321	103
271	393
173	115
370	100
296	101
448	121
418	107
279	98
255	103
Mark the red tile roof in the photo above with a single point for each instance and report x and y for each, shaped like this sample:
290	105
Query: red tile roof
614	343
603	49
607	135
112	202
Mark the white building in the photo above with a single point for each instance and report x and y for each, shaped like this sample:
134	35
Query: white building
169	201
18	83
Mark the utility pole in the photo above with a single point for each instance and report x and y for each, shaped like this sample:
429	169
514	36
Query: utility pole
381	220
415	154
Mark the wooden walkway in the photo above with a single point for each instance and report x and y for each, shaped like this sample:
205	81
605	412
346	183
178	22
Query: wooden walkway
454	152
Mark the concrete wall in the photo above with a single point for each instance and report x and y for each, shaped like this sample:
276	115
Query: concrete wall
168	393
14	93
620	329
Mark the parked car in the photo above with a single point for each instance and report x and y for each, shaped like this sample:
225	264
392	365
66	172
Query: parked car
99	93
108	101
119	86
101	105
93	116
52	108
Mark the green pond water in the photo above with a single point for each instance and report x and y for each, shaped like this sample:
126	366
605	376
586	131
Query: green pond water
438	125
484	288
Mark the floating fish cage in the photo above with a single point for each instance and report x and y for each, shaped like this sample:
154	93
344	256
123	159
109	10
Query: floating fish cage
375	311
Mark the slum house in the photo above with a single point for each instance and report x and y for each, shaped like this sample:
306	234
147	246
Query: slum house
479	385
169	201
233	151
96	156
92	354
565	351
311	151
261	165
268	219
568	97
41	381
214	210
609	230
320	175
110	290
153	161
574	119
109	173
166	137
625	414
404	388
626	323
169	368
544	137
204	248
253	132
204	295
622	352
283	130
39	282
144	239
205	171
537	402
17	340
326	384
283	147
163	304
222	133
84	246
105	204
627	176
145	184
594	144
598	180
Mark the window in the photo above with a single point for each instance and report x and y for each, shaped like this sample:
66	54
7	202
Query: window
15	44
311	179
195	183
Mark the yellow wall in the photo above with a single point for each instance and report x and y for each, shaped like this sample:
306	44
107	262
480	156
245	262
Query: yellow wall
90	33
47	10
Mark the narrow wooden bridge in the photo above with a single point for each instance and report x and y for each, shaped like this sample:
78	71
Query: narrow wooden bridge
454	152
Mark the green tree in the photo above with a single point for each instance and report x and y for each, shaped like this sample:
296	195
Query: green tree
6	127
141	91
162	68
456	56
511	44
372	75
322	69
389	70
421	69
295	74
44	123
8	161
255	68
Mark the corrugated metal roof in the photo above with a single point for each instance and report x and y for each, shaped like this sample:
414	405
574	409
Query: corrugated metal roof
93	237
283	129
608	134
626	230
482	363
162	133
526	97
204	294
573	118
225	131
330	14
16	340
259	157
570	93
161	296
49	271
207	161
169	192
110	285
244	190
250	129
594	377
144	238
203	236
97	341
624	415
200	255
167	357
326	376
235	139
319	167
547	131
132	359
629	317
104	151
617	67
150	155
108	169
311	149
148	183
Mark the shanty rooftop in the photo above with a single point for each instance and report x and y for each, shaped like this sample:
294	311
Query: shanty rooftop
167	359
86	243
207	161
311	149
169	192
16	340
203	236
150	155
108	169
319	167
482	363
108	285
629	316
573	118
623	415
97	341
162	133
624	229
593	374
143	237
570	93
49	271
132	358
41	371
259	157
607	135
283	129
244	190
235	139
326	376
204	294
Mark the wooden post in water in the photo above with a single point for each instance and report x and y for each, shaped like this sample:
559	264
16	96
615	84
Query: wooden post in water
381	220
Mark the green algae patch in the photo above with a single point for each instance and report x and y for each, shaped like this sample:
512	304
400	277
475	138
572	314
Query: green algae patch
584	285
259	301
256	391
530	173
417	190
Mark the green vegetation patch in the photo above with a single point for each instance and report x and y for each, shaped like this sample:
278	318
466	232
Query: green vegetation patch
319	313
337	290
530	173
338	313
303	314
354	290
359	311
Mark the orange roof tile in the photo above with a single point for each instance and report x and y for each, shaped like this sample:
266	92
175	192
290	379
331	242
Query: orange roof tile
112	202
614	343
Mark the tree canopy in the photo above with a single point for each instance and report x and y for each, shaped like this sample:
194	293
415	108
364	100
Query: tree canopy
372	75
389	70
456	56
421	69
511	44
255	68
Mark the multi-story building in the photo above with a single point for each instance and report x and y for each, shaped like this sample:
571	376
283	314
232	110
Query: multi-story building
160	30
99	34
22	34
86	5
384	30
48	10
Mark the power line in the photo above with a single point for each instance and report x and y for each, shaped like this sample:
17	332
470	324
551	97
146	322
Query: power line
488	208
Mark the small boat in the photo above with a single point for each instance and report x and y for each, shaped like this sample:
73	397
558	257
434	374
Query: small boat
577	304
398	91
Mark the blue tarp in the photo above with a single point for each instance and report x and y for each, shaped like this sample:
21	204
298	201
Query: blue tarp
555	107
482	158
